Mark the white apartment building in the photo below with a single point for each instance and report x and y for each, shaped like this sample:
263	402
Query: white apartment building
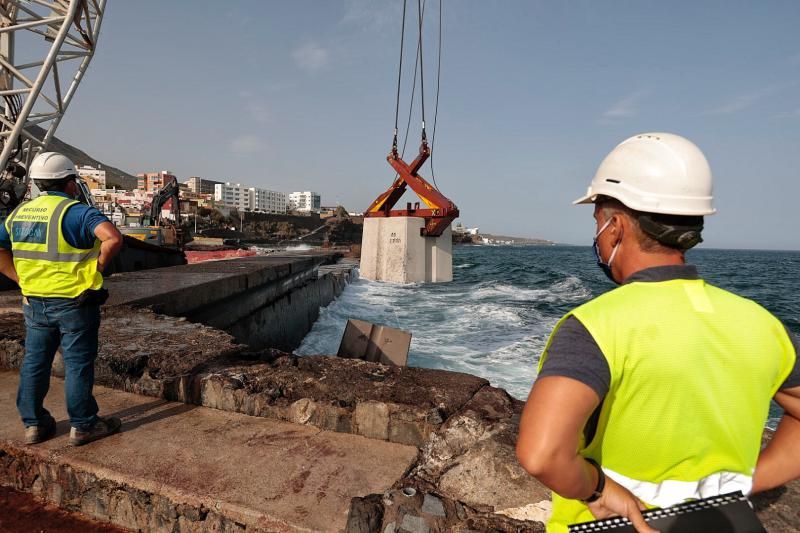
200	186
249	198
230	195
306	201
268	201
96	175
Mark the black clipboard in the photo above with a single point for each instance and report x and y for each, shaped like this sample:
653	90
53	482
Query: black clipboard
726	513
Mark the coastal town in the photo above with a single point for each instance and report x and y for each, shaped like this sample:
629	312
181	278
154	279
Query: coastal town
217	208
198	197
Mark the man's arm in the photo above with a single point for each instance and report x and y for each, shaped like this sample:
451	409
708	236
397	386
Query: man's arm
549	435
110	243
7	265
6	259
779	462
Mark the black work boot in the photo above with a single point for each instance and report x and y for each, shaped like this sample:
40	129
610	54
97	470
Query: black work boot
103	427
41	432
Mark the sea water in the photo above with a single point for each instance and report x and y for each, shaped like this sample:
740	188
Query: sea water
494	319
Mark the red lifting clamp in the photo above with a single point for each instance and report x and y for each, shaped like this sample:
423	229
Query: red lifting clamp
440	210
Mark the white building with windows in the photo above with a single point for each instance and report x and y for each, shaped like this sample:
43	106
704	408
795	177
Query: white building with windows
306	201
268	201
245	198
200	186
96	176
232	195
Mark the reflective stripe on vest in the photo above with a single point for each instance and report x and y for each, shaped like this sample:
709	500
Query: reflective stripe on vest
46	263
671	491
693	369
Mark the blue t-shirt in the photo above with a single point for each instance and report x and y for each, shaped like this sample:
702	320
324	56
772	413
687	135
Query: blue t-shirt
78	225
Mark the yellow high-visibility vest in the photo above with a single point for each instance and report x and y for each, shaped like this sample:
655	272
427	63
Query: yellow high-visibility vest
46	264
693	370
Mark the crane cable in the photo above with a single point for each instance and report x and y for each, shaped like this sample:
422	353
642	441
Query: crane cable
420	14
399	78
436	106
413	93
418	67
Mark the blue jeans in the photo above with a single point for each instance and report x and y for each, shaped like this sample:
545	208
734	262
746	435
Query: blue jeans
48	323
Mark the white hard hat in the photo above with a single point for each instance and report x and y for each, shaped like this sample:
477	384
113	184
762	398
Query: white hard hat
655	173
52	166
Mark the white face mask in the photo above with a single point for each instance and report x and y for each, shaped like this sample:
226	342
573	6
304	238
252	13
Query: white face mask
605	267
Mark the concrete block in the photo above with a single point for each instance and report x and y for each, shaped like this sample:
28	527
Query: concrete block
375	343
393	250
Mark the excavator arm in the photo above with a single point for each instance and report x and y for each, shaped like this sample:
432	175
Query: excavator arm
170	191
160	199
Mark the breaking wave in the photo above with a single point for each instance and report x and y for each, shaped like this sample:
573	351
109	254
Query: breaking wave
298	247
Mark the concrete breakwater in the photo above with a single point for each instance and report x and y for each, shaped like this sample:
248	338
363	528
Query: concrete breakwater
263	301
453	433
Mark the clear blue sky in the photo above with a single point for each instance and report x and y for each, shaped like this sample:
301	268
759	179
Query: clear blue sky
300	95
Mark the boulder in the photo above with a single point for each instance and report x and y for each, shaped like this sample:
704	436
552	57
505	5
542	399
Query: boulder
472	459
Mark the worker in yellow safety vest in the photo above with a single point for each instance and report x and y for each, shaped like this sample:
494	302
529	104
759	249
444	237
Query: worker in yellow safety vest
56	249
658	392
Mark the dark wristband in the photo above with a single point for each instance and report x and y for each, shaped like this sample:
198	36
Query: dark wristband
601	482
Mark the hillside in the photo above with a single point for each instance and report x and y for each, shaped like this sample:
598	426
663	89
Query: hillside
114	176
488	238
505	239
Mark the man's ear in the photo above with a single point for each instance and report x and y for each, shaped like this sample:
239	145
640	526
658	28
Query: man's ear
618	225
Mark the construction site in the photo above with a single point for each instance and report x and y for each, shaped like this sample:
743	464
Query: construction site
224	428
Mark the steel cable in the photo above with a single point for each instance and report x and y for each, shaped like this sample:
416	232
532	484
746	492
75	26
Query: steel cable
413	92
399	77
436	106
420	12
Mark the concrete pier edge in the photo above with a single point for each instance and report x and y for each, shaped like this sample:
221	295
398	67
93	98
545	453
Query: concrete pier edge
136	479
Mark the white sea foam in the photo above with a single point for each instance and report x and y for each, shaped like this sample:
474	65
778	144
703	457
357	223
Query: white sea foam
298	248
567	290
492	330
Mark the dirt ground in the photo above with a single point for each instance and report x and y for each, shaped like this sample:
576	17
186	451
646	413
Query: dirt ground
22	513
